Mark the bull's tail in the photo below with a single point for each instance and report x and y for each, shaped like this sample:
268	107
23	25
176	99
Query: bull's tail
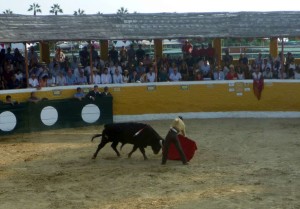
95	136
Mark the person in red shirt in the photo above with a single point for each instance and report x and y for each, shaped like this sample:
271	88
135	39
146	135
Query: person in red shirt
231	75
186	49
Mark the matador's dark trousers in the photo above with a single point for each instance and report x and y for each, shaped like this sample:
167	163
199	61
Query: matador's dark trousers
172	138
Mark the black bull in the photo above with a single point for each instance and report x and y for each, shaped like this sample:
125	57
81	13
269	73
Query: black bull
139	134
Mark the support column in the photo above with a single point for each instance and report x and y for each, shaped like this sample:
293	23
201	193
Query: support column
44	52
158	48
217	45
104	49
273	46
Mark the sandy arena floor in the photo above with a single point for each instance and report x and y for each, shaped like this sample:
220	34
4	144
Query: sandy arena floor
240	163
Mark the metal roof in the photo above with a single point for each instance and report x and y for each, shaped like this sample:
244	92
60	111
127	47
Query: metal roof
28	28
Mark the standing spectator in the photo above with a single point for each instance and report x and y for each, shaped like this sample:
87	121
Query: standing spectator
123	54
106	92
186	49
227	58
93	94
131	55
10	101
32	56
113	55
210	54
84	57
140	54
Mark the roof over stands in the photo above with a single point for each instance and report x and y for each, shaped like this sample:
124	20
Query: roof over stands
25	28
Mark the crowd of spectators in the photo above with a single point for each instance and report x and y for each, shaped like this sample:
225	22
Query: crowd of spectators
135	66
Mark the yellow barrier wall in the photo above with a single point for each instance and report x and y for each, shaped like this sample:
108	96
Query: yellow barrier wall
210	96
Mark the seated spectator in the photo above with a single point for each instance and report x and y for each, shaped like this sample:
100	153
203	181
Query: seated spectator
218	74
70	77
267	74
81	79
95	77
8	100
297	73
134	77
240	73
43	81
33	81
61	79
13	83
175	76
205	70
151	76
117	77
163	74
106	77
198	76
93	94
106	92
126	76
232	75
79	94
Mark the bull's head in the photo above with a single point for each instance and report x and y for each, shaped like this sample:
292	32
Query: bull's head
157	146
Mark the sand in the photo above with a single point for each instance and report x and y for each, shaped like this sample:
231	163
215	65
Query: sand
240	163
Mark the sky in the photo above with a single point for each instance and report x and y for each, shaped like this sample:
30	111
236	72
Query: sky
149	6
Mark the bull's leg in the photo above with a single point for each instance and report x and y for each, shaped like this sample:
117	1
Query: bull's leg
143	152
100	146
132	151
114	146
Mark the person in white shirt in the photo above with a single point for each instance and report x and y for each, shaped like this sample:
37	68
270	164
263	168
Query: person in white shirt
33	81
175	76
95	77
151	76
117	77
106	77
218	74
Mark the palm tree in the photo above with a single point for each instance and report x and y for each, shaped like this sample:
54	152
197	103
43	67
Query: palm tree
56	9
8	12
99	13
35	8
122	11
79	12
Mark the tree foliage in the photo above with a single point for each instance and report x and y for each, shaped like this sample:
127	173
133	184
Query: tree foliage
36	8
79	12
8	12
122	10
55	9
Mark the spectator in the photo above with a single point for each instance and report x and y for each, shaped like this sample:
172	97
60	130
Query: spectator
186	49
61	79
218	74
268	74
163	74
32	56
95	77
70	78
93	94
33	81
205	70
117	77
79	94
106	92
227	58
140	54
175	76
134	77
33	98
123	54
126	76
113	55
81	79
106	77
84	57
231	75
10	101
151	76
131	55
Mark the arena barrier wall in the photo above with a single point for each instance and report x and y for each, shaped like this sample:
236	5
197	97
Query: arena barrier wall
196	99
55	114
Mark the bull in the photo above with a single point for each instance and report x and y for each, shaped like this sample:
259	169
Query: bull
139	134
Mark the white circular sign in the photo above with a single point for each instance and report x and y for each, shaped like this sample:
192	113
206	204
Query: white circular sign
8	121
49	115
90	113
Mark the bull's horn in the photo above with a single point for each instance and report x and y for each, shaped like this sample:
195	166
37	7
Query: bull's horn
160	142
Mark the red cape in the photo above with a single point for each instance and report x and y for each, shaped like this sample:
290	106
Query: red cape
188	146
